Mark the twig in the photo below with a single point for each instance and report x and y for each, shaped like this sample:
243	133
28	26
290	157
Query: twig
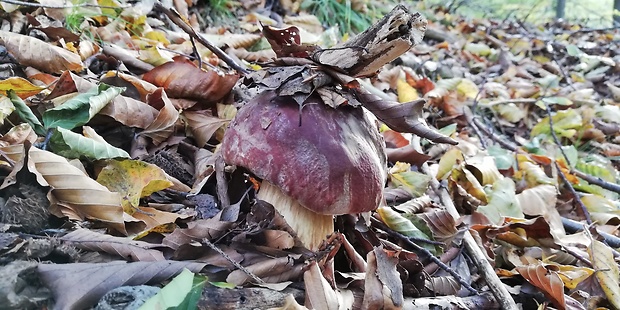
566	182
574	226
597	181
232	261
195	50
179	21
495	284
426	252
586	30
48	6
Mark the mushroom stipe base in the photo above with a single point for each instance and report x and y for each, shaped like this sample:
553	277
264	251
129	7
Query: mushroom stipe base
311	227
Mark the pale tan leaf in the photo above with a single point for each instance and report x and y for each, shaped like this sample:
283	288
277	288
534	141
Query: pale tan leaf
258	56
74	194
234	40
130	112
153	217
607	272
444	286
320	295
81	285
126	248
29	51
383	288
163	125
203	125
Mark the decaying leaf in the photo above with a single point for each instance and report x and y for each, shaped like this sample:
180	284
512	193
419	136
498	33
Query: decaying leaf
383	288
30	51
128	249
80	285
163	126
606	272
133	179
182	79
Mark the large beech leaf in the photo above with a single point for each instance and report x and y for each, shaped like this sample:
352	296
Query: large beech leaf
403	225
182	79
607	272
320	294
74	194
128	249
81	285
25	113
163	126
72	145
402	117
547	280
133	179
203	125
22	87
30	51
80	109
130	112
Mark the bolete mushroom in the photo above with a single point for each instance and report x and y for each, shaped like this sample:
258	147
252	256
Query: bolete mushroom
315	162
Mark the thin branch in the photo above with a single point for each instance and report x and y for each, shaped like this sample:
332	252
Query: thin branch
179	21
424	251
232	261
488	272
597	181
567	183
71	6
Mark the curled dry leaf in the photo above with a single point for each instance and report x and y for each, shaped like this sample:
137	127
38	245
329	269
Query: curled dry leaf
182	79
320	295
547	280
402	117
81	285
383	288
130	112
203	125
163	125
197	230
29	51
126	248
74	194
233	40
142	87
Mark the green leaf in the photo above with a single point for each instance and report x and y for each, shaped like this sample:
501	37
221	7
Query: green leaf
565	123
573	50
404	226
80	109
414	182
553	100
25	113
183	292
504	159
72	145
502	202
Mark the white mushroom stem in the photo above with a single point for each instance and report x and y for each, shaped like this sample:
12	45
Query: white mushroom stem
311	227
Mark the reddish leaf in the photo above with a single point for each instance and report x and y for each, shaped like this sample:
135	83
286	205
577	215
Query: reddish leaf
547	280
182	79
286	42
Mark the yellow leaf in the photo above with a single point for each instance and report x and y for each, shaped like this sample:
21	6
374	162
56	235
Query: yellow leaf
22	87
405	91
607	272
158	36
467	88
133	179
573	275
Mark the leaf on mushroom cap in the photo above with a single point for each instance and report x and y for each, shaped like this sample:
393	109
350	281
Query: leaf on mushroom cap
333	163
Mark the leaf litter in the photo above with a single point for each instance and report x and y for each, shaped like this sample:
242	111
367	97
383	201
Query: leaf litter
534	110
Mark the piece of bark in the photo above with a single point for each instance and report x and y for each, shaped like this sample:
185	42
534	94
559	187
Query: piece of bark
364	54
214	298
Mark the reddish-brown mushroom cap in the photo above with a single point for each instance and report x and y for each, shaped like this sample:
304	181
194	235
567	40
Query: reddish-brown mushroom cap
333	163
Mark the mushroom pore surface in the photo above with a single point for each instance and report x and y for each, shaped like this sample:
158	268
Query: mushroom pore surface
333	163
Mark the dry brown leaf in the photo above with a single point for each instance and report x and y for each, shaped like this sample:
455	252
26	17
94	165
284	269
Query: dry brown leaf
197	230
69	83
154	218
320	295
163	125
182	79
383	288
143	87
130	112
442	225
547	280
444	286
258	56
234	40
126	248
74	194
203	125
18	135
81	285
30	51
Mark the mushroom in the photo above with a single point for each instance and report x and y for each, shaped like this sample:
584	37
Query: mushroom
315	162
